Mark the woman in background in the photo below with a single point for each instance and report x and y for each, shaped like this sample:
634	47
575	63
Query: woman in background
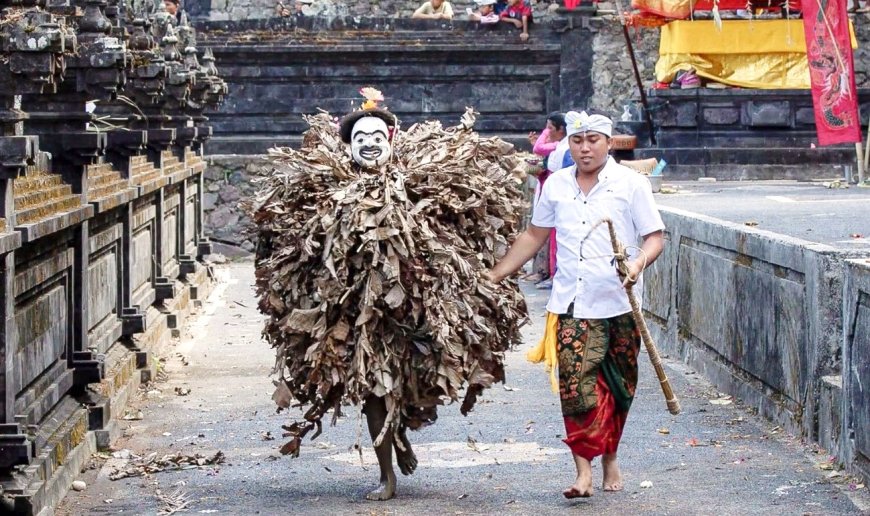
544	264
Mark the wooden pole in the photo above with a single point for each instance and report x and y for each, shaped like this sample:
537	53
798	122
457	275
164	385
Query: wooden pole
638	80
651	349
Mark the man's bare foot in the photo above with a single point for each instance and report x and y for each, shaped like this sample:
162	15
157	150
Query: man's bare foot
582	487
406	459
612	475
385	491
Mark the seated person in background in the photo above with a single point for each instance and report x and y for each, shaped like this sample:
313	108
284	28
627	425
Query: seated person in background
434	10
520	14
173	9
485	13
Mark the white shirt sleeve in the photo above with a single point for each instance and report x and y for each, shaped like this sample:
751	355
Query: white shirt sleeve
544	214
644	213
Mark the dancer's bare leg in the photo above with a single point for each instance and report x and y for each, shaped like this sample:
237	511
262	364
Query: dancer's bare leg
375	409
406	459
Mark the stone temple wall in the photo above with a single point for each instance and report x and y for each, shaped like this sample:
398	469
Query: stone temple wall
250	9
611	87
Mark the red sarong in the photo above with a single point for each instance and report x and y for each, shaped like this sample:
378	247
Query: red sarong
597	431
597	380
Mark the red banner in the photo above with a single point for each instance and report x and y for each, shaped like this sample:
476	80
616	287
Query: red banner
832	71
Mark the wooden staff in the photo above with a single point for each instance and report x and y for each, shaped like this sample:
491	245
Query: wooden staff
630	47
652	351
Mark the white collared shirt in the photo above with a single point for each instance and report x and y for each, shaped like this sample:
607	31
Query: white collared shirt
590	281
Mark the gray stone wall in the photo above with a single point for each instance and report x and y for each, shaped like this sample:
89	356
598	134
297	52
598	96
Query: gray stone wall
249	9
613	80
856	368
772	331
228	180
861	22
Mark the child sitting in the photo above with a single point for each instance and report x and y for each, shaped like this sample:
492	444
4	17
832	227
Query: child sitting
519	13
485	13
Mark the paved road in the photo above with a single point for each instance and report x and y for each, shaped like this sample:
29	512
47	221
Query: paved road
712	459
809	211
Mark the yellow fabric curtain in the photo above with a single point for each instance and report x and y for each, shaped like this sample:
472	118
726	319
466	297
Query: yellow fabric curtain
763	54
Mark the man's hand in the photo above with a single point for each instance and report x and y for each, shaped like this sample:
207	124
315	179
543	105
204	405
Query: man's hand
518	24
491	277
635	268
524	36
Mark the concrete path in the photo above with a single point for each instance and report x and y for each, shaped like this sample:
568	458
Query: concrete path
810	211
506	457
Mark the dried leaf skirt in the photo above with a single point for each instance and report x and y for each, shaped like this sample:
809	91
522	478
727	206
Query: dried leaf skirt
371	280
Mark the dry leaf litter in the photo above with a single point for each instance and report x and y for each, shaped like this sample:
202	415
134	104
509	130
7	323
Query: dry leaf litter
141	466
372	280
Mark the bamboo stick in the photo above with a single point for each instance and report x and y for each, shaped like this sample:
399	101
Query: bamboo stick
651	349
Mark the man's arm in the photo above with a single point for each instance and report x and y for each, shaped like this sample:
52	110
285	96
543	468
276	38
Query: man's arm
652	247
525	34
522	250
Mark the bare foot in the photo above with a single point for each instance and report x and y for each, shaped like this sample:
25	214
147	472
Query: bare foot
612	475
406	459
385	491
582	487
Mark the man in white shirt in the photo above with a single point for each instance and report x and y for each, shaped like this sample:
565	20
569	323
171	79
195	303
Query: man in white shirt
598	341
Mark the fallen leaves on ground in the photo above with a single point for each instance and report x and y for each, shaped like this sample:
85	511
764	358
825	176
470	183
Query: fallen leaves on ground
372	280
171	503
133	416
182	391
140	466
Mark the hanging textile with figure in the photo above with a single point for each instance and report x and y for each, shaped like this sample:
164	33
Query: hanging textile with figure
832	71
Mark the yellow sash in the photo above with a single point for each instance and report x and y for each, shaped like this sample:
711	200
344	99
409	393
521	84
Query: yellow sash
546	352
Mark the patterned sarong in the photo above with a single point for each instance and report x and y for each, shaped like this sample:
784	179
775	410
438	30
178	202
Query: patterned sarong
597	380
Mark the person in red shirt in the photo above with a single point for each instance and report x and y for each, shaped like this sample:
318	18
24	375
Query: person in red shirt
519	13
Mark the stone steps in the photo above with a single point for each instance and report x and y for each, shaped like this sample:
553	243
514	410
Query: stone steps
54	207
143	171
103	181
751	163
39	195
32	181
171	163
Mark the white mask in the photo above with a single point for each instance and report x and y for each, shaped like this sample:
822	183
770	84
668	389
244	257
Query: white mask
370	142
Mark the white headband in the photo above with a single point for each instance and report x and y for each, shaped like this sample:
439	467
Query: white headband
581	122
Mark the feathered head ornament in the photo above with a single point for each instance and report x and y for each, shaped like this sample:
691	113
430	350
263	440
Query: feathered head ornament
368	108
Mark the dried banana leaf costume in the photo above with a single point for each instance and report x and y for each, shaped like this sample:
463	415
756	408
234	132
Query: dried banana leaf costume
371	276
